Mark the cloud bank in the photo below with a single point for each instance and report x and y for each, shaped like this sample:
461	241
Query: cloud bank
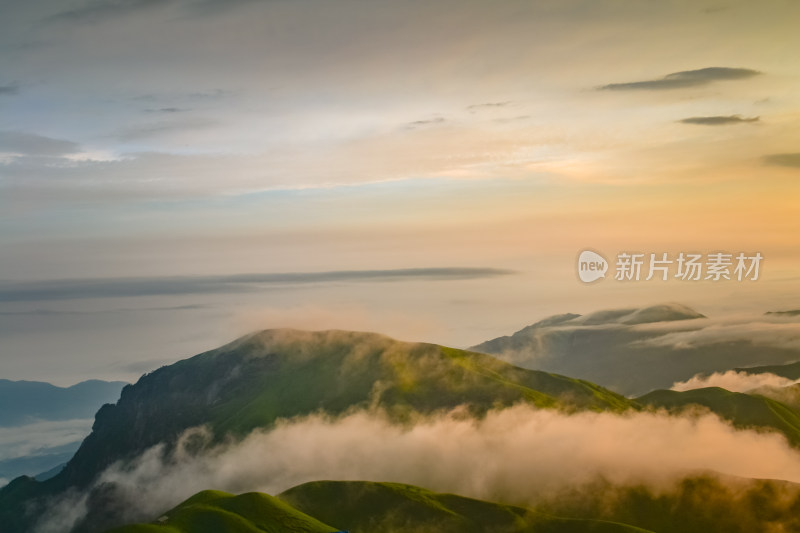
735	381
174	285
516	455
783	334
719	120
684	79
36	438
791	160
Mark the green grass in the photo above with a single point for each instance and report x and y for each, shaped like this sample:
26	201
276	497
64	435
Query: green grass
744	411
368	507
216	512
279	374
359	507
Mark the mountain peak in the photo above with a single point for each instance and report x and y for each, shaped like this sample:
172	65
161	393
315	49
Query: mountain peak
282	373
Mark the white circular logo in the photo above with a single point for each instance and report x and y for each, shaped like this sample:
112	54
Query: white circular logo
591	266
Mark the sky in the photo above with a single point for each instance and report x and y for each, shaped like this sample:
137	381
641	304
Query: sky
176	173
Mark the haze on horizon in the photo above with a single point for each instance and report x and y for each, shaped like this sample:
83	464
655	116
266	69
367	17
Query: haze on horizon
186	140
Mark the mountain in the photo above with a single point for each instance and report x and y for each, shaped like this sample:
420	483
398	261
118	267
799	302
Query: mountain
45	424
635	351
255	380
788	371
36	464
23	402
214	511
388	507
696	504
275	374
261	378
359	507
745	411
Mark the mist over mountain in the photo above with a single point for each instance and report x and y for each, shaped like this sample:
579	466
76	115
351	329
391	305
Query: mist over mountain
359	506
635	351
42	425
279	374
282	408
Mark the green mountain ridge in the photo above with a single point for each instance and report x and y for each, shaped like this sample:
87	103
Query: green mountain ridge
744	411
275	374
215	511
279	374
359	507
271	375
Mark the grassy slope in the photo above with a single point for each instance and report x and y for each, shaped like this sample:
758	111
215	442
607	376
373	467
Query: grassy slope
281	374
359	507
367	507
743	410
215	512
403	378
275	374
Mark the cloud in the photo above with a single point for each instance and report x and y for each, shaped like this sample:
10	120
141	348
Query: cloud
99	10
214	7
683	79
38	437
345	317
512	119
30	144
146	131
166	110
784	334
735	381
790	313
783	160
9	89
515	455
124	287
211	94
53	312
426	122
488	105
718	120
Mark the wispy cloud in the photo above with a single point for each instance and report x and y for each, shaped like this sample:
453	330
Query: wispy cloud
9	89
427	122
100	10
488	105
719	120
166	110
147	131
685	78
735	381
124	287
783	160
53	312
214	7
40	437
30	144
781	334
